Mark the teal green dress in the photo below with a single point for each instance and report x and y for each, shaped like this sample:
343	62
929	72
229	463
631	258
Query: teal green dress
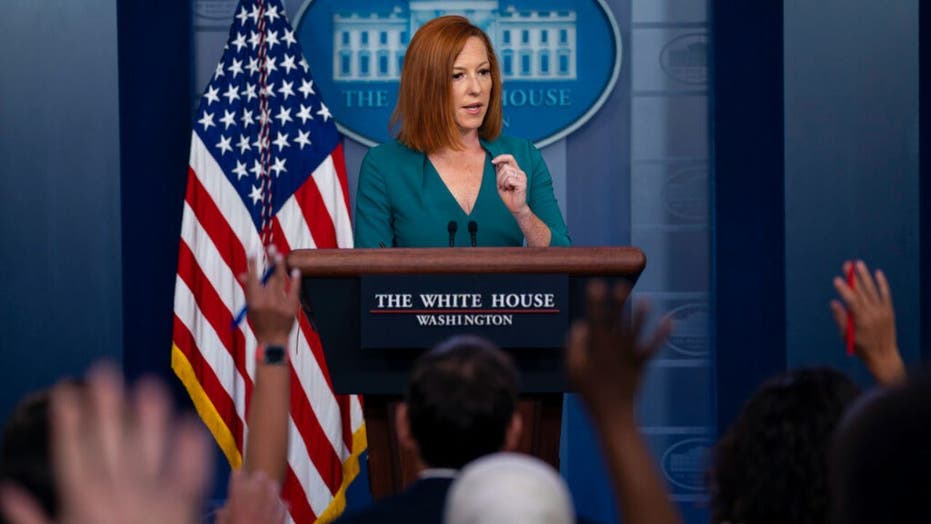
402	201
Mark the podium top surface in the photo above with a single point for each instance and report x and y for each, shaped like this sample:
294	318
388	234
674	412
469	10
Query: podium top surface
581	261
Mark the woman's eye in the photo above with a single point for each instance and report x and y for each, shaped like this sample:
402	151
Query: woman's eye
457	76
485	72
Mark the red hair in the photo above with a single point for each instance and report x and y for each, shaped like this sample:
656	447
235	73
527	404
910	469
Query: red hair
424	111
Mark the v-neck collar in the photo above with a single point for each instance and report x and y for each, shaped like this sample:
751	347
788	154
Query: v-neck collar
428	166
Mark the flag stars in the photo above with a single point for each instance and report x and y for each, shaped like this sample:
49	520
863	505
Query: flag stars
288	63
243	145
278	168
289	38
231	94
229	119
219	71
249	92
303	139
305	114
324	112
268	90
272	39
264	117
240	41
211	95
235	68
224	145
272	14
254	14
256	169
240	170
270	66
304	65
253	65
284	115
286	89
247	119
255	39
206	120
243	14
281	141
307	87
255	194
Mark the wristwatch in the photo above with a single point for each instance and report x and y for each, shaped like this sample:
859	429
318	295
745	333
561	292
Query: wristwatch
273	354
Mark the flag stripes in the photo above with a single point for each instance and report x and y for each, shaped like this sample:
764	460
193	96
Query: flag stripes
220	229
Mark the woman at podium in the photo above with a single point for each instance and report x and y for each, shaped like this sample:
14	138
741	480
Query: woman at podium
450	178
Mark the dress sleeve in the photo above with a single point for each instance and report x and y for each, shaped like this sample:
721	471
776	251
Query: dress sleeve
542	200
373	227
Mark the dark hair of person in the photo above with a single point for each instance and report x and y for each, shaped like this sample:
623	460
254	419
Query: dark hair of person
24	451
460	399
424	112
771	466
881	457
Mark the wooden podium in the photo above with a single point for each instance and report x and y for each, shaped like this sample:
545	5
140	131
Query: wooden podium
331	298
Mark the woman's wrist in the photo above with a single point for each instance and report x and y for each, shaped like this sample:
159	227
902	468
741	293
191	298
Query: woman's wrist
888	370
272	353
523	213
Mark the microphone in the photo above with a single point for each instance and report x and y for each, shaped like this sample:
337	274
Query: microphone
473	230
452	227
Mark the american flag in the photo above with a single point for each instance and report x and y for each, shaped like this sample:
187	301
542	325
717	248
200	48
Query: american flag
266	168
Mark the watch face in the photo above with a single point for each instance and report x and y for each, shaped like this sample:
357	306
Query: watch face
274	355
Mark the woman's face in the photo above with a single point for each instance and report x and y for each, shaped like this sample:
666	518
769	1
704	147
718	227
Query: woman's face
471	86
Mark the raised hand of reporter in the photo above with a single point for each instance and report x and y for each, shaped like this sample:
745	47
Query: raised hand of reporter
117	460
252	498
869	304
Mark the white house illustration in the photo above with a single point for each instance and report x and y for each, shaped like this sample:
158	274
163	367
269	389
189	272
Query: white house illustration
531	44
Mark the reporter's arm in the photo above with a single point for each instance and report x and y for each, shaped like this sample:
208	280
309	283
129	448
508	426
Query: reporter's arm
272	310
605	360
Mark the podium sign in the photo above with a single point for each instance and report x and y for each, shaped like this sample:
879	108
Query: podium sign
361	300
417	311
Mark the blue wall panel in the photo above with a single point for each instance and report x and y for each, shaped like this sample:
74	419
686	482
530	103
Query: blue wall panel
748	256
59	192
851	165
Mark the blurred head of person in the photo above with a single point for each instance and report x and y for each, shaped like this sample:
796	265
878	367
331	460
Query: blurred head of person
460	403
881	457
24	451
509	487
771	466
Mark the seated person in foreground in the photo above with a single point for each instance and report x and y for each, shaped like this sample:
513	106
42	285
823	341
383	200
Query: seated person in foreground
450	177
772	464
24	451
880	459
459	405
509	487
